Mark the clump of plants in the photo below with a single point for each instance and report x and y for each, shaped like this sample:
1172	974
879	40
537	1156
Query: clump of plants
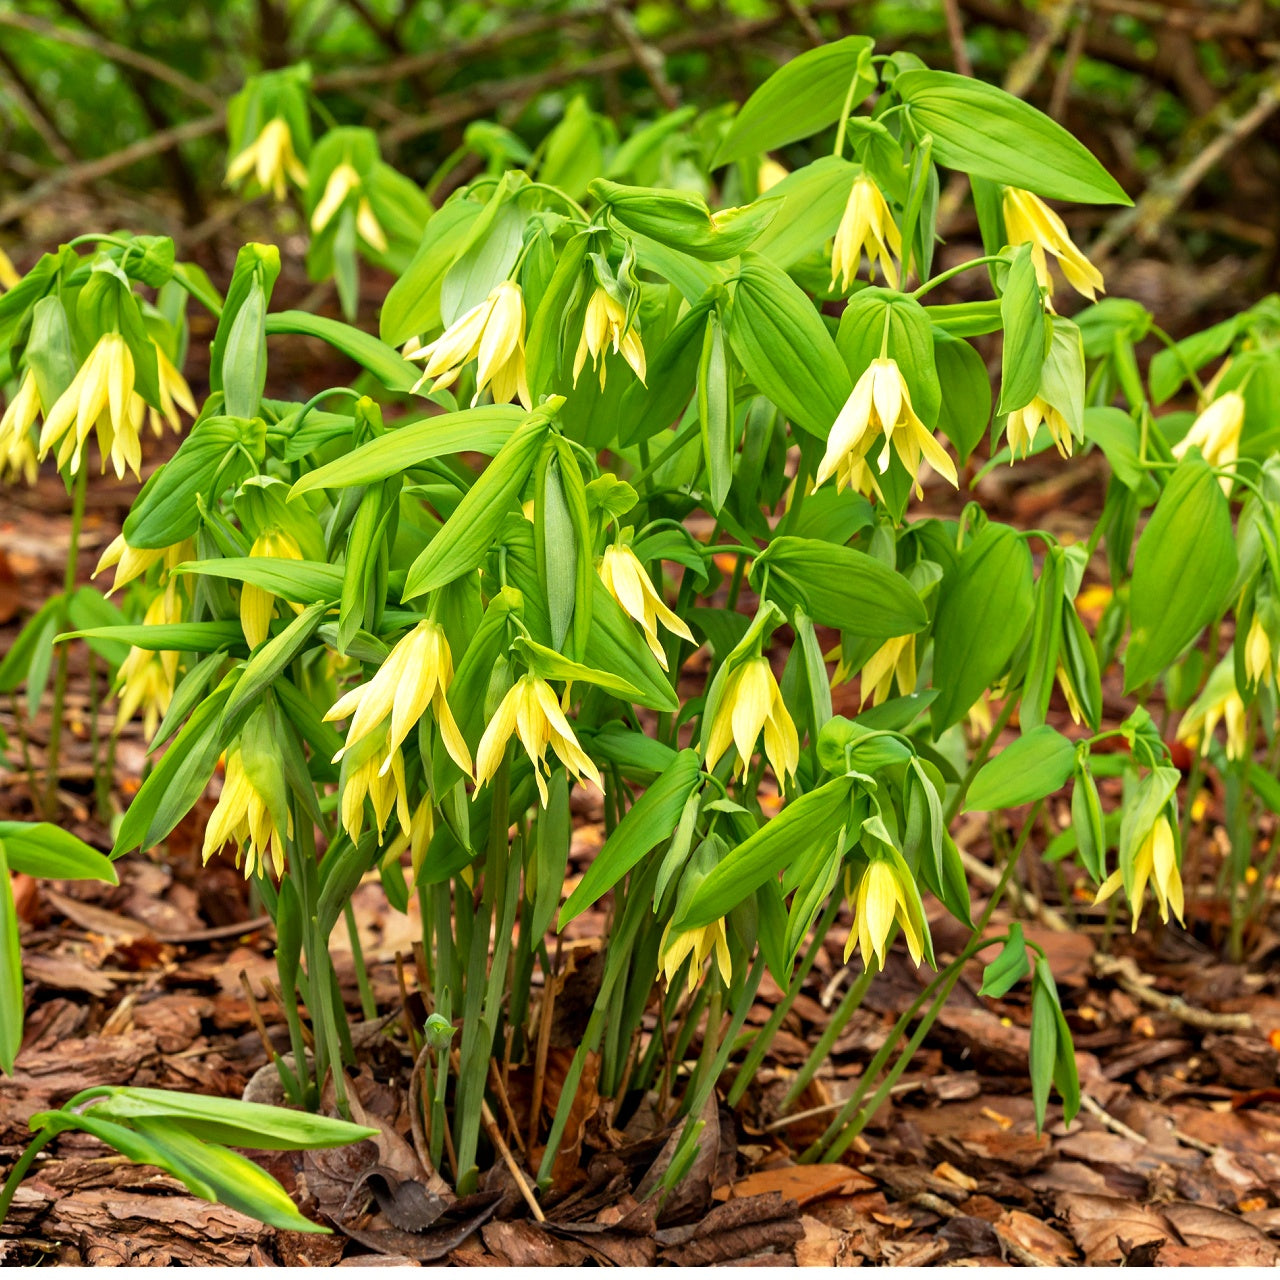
680	403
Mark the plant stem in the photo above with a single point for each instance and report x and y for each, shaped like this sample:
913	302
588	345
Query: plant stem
79	488
19	1170
368	1006
835	1028
980	758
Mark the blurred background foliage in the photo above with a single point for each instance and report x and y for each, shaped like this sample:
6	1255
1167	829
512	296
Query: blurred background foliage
118	106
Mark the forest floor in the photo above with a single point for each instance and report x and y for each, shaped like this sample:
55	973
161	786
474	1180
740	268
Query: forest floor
166	980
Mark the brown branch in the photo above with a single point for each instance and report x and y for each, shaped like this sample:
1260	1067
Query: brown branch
113	52
91	170
955	36
24	95
645	56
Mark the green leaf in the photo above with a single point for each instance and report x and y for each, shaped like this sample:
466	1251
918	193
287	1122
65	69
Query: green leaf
1022	316
466	537
1089	824
645	825
272	658
482	430
43	850
1044	1048
989	133
883	318
1032	767
816	816
299	581
1008	968
784	348
965	410
841	587
984	606
715	412
800	98
1183	571
183	637
11	995
384	362
230	1121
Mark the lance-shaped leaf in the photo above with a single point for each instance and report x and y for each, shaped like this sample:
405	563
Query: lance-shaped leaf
816	816
1183	570
466	537
648	822
1034	766
988	133
41	849
384	362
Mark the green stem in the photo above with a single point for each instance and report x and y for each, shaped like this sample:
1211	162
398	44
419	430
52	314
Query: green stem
979	759
52	762
943	276
835	1028
844	114
368	1006
19	1170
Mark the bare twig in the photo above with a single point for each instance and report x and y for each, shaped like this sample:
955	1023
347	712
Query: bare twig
955	36
1139	986
108	49
645	56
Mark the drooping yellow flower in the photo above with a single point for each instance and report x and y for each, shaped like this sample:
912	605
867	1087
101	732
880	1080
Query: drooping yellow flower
1257	653
271	158
881	404
531	712
174	394
881	899
1069	693
605	326
342	182
381	779
1022	425
1216	433
1219	702
979	717
1156	861
626	581
750	704
710	941
242	815
17	449
492	334
416	675
146	677
417	839
132	562
1028	220
895	659
8	273
769	174
866	226
100	396
257	604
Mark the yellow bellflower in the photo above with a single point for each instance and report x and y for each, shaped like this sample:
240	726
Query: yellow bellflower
1257	653
881	899
1028	220
1216	433
416	675
422	827
708	942
881	404
1219	703
1156	861
8	273
270	157
100	396
17	449
492	334
626	581
342	182
750	704
605	326
132	562
866	226
769	174
146	677
1022	425
257	604
531	712
895	659
241	814
381	779
174	394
